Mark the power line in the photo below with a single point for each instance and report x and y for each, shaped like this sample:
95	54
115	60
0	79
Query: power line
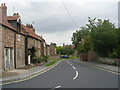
69	14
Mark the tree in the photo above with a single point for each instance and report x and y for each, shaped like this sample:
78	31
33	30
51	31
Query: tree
65	50
81	40
99	35
103	36
59	49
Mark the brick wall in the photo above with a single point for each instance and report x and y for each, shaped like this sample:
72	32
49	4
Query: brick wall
1	51
31	44
52	50
20	49
8	41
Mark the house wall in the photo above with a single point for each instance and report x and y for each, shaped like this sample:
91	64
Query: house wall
1	51
8	42
36	45
30	42
20	50
52	50
38	53
48	50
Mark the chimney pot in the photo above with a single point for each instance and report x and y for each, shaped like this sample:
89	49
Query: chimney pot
1	4
4	4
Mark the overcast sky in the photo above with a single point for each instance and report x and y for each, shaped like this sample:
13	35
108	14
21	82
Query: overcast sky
52	21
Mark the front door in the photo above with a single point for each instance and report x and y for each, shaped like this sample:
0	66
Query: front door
8	53
11	58
6	58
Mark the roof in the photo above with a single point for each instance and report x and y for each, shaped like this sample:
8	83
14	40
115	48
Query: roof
31	32
12	17
4	22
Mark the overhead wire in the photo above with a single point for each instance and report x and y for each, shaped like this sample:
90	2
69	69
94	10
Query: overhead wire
69	14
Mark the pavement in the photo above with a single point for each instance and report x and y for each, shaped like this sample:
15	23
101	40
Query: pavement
104	66
63	73
70	73
22	73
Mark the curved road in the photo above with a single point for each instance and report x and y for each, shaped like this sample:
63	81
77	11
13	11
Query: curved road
70	74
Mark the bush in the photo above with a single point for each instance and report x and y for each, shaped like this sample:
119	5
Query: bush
46	58
39	60
35	61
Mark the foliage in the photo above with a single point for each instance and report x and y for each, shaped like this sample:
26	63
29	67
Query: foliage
45	58
59	49
99	35
33	56
102	33
65	50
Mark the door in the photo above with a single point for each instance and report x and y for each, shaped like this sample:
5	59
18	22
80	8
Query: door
8	53
11	58
6	58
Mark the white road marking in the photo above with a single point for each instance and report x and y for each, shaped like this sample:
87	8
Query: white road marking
73	67
55	87
69	63
76	75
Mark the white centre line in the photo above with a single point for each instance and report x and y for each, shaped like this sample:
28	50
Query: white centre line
76	75
73	67
55	87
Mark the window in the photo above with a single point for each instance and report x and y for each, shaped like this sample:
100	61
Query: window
18	38
39	44
19	52
34	42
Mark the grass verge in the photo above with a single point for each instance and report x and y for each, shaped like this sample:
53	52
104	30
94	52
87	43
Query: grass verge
58	59
51	63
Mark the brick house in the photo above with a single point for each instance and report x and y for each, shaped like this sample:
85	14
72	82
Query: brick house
44	47
15	22
17	41
48	49
32	41
52	49
7	40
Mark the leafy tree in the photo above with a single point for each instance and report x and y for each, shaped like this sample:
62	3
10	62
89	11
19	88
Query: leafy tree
59	49
65	50
99	35
103	36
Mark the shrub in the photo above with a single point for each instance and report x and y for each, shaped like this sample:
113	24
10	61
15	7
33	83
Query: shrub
35	61
45	58
39	60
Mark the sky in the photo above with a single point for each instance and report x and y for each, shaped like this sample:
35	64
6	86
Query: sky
52	21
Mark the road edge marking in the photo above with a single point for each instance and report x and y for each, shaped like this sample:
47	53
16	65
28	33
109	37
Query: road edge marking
30	77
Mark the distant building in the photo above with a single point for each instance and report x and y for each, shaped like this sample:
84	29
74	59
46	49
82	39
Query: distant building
119	14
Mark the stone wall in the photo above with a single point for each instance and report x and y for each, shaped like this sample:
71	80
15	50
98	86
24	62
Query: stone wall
107	60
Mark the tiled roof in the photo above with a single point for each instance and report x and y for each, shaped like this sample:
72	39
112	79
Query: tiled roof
31	32
12	17
4	22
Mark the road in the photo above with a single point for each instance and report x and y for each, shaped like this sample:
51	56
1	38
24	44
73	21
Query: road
70	74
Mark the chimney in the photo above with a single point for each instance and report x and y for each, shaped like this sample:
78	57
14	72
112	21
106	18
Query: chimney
3	10
16	14
30	26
